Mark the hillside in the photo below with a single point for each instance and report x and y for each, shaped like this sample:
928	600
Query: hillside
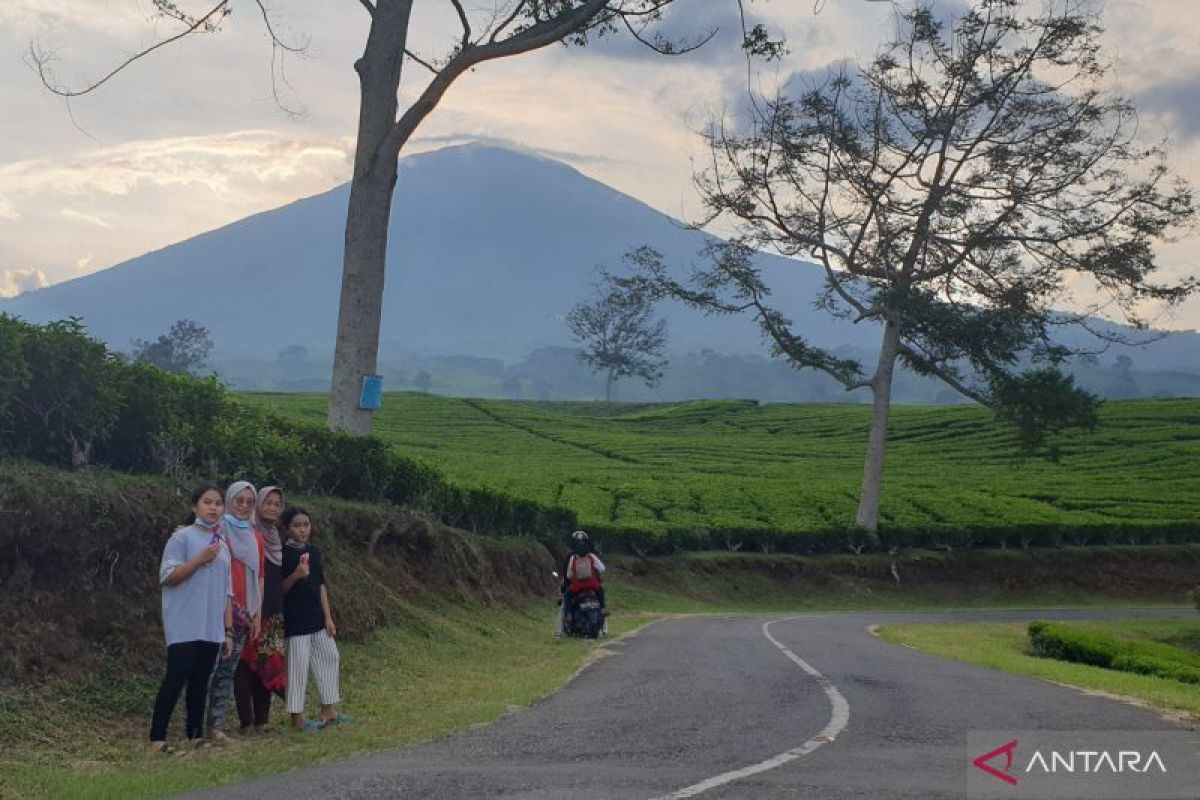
488	249
747	475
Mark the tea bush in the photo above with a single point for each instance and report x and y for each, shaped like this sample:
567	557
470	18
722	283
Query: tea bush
66	400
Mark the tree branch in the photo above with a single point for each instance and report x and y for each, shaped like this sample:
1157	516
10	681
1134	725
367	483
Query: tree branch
535	36
40	59
434	70
665	47
465	42
944	374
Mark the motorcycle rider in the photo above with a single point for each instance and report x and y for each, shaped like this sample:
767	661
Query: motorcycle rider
582	571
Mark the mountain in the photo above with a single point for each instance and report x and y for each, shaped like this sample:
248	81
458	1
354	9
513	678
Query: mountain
489	248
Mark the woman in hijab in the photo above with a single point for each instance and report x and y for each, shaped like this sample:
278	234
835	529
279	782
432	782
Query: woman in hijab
237	533
263	666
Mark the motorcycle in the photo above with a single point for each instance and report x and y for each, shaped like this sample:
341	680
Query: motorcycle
582	615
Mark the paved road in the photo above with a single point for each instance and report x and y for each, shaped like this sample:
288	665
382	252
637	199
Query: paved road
694	698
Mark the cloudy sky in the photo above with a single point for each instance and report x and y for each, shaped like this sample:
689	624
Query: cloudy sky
193	138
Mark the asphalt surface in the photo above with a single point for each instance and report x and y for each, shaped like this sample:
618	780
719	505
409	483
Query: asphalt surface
686	700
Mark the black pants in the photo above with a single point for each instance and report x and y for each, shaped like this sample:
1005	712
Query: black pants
252	698
190	664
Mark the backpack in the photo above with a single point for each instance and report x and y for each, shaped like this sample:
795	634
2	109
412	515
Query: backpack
582	574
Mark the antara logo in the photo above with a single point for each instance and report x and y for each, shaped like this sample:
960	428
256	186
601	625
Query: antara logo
1095	761
1069	762
1004	750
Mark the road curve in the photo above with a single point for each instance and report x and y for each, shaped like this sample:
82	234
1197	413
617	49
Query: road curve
706	706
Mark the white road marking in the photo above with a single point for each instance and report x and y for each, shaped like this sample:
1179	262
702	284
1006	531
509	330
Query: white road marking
838	719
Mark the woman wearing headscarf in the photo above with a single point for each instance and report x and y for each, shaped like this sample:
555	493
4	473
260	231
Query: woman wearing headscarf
263	666
237	533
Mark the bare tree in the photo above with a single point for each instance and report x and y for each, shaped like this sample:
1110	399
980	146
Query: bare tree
950	190
497	30
619	337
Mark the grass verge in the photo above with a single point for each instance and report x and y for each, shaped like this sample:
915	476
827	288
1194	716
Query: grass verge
437	668
1005	646
448	669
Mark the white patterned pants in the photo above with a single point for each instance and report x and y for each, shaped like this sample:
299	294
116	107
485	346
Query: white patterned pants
316	652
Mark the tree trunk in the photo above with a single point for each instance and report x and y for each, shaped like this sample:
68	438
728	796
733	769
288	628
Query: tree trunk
881	390
81	452
364	262
608	387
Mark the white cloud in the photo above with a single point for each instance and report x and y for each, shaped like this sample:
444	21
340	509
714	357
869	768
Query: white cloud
190	139
28	18
222	163
85	217
16	281
119	202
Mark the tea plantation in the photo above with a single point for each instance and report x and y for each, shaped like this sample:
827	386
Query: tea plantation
738	473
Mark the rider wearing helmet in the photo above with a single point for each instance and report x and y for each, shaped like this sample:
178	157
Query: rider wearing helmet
581	573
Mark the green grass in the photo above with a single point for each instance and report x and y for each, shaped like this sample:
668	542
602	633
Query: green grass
797	468
445	669
453	667
1005	646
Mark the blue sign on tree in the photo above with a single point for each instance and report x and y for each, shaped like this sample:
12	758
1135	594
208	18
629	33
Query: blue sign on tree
371	398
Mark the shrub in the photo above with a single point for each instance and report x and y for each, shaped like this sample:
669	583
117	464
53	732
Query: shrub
14	375
65	399
1065	643
161	419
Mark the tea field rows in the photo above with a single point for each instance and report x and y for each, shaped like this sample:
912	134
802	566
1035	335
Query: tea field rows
732	467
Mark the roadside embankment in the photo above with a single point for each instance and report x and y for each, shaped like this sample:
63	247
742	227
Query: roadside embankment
440	629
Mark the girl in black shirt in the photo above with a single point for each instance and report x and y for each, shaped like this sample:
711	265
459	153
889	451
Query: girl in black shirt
308	624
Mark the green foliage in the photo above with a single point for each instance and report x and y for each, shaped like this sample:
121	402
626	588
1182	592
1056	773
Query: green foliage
14	375
1066	643
1041	403
738	476
62	398
163	423
66	400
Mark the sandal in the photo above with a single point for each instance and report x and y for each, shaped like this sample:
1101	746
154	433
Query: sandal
160	748
340	719
313	725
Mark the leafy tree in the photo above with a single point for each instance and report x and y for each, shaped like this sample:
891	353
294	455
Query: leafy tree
488	31
181	350
618	336
949	189
423	381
